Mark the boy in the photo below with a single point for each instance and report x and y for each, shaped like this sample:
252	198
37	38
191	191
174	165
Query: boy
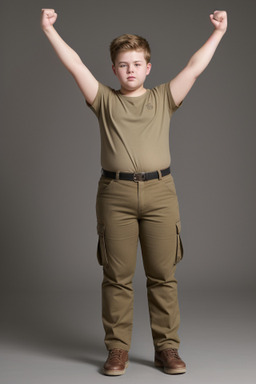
136	192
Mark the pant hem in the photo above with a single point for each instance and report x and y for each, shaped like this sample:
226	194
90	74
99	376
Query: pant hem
118	346
172	346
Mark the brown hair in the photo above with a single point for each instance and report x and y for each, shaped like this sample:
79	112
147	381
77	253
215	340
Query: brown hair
128	42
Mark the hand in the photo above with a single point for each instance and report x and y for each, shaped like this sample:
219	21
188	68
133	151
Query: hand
220	20
48	17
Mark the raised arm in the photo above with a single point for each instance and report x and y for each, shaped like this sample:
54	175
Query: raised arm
183	82
70	59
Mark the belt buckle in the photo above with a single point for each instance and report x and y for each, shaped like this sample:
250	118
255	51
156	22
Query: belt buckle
139	177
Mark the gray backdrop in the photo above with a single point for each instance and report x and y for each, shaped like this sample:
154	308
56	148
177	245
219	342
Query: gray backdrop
50	326
50	151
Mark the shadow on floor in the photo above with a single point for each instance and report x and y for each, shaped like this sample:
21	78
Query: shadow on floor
140	361
60	326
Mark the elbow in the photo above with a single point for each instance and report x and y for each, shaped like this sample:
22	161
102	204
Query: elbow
193	71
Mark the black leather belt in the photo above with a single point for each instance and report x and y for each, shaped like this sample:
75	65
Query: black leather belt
142	176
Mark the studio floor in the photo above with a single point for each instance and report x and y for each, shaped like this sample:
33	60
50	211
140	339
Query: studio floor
58	338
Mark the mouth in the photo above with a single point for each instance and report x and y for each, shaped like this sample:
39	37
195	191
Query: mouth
131	78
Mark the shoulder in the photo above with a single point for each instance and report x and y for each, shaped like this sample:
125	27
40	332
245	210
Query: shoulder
104	94
161	89
106	90
103	91
163	92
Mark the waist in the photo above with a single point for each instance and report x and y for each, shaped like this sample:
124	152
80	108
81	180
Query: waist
141	176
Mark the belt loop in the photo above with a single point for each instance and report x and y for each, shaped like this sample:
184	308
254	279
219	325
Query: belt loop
159	175
117	175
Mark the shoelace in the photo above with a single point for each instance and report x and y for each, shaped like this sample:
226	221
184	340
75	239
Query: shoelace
116	354
172	353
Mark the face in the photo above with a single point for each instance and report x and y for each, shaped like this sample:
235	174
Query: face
131	70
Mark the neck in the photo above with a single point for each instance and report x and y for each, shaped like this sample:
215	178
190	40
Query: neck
133	93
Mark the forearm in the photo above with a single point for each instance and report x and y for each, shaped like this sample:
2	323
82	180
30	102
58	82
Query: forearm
65	53
203	56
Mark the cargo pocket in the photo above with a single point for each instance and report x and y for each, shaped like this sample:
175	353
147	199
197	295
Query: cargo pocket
101	248
179	246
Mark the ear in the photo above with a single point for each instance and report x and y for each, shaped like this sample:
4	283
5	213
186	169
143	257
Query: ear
148	68
114	69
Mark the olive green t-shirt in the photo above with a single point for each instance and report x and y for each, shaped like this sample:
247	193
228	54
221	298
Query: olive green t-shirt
134	130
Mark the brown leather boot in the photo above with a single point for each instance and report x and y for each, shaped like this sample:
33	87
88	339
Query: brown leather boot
116	363
169	360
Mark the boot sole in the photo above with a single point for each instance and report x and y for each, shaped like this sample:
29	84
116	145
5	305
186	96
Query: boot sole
115	372
170	371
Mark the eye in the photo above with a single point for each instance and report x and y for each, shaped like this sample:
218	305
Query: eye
122	65
137	65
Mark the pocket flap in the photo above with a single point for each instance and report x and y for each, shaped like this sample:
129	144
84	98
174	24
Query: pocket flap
101	249
178	227
179	247
100	229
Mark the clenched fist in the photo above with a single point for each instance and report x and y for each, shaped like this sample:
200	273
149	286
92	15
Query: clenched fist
48	18
220	20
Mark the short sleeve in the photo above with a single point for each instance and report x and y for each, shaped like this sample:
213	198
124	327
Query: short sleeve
173	107
101	97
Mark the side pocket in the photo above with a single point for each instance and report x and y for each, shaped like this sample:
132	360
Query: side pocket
179	246
104	183
101	248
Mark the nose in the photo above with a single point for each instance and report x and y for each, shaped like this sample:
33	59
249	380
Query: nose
130	69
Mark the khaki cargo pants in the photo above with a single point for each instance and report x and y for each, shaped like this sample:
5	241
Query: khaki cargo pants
149	211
